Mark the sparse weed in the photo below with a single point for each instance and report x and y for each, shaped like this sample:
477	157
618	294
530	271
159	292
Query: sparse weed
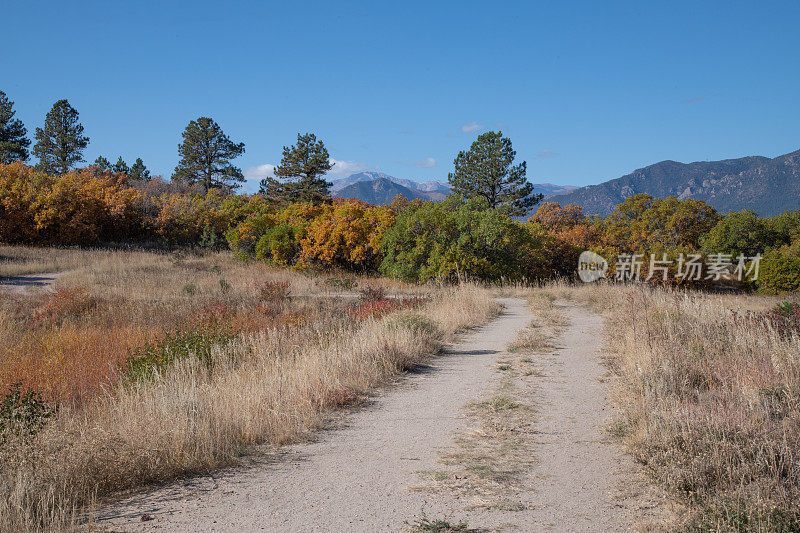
427	525
497	404
345	284
372	294
275	291
224	286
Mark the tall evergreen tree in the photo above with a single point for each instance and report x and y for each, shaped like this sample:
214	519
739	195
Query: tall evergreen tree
487	170
120	166
139	171
206	154
102	164
13	134
300	173
61	143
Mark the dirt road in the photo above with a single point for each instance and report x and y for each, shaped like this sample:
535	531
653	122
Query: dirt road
362	477
582	480
24	283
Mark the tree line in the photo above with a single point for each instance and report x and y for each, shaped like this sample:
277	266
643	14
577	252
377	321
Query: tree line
294	222
487	170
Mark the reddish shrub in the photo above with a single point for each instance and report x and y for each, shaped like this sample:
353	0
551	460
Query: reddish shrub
65	302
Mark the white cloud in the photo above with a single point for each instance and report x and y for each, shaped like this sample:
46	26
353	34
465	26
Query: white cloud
428	162
469	127
546	154
694	100
260	172
342	169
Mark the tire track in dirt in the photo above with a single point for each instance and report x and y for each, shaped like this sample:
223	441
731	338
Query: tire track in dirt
582	480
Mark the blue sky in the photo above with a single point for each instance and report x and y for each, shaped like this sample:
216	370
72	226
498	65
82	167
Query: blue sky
587	91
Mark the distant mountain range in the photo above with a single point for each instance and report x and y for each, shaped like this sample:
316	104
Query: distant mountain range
548	189
378	191
767	186
380	188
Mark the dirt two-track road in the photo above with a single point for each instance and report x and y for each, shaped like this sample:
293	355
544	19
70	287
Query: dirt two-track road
366	475
22	284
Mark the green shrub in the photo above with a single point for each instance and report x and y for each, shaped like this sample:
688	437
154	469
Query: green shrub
456	238
210	239
739	233
785	226
22	413
277	245
242	239
147	361
780	269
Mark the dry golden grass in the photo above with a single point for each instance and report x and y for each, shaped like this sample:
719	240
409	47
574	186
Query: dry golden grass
293	360
708	400
549	321
20	260
116	301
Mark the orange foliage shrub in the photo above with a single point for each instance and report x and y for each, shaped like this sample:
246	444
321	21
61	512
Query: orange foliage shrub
79	207
347	234
555	218
87	206
567	223
69	363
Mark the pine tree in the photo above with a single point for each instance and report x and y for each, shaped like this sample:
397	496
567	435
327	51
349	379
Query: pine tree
300	173
486	170
206	154
101	164
61	143
13	134
139	171
120	166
